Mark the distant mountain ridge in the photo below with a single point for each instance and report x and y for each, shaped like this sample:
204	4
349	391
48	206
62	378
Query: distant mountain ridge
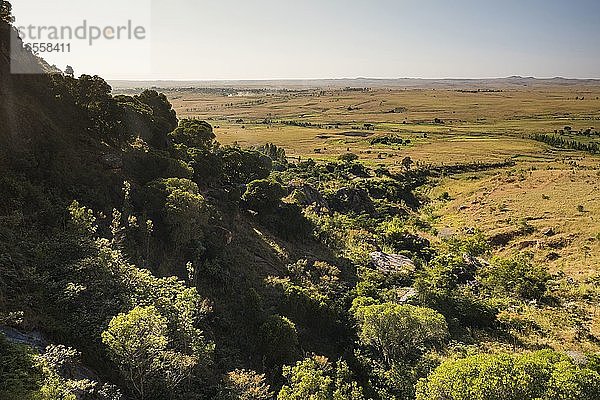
511	82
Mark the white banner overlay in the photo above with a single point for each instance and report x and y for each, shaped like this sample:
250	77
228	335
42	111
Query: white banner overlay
111	38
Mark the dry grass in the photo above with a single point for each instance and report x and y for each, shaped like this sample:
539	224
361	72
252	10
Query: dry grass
485	126
504	201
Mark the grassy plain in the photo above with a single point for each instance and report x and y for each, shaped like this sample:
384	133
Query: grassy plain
471	126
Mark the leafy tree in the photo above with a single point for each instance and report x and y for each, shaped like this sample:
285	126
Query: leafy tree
92	93
541	375
143	165
194	133
6	12
263	195
69	71
516	275
135	342
163	117
246	385
180	211
242	166
186	209
279	341
315	378
397	331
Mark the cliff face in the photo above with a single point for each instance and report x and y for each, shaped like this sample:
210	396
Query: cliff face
43	132
25	116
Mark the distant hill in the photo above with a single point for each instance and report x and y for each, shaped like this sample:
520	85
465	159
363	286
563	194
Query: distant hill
512	82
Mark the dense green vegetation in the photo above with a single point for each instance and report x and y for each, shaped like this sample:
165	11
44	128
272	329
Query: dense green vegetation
158	264
569	142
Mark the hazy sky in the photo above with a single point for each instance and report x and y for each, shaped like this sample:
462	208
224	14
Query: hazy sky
266	39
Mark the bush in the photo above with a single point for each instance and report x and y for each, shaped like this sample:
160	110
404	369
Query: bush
445	285
541	375
348	157
399	331
517	275
279	341
263	195
20	377
288	222
246	385
316	378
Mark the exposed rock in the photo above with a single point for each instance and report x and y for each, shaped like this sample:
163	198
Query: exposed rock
474	262
445	233
406	294
548	232
306	195
112	160
578	357
32	339
392	263
351	200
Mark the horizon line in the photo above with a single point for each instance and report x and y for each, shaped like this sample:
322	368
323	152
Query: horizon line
346	78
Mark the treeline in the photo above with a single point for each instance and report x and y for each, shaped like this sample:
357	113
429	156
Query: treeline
431	170
563	143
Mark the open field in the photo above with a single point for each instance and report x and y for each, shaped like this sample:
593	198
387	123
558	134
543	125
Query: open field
444	126
553	213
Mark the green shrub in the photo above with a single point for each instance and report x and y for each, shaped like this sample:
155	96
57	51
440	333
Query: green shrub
541	375
278	341
137	343
263	195
399	331
316	378
246	385
145	165
20	376
517	275
348	157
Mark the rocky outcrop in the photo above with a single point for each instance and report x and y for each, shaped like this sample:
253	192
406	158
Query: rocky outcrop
306	195
352	200
31	339
391	263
